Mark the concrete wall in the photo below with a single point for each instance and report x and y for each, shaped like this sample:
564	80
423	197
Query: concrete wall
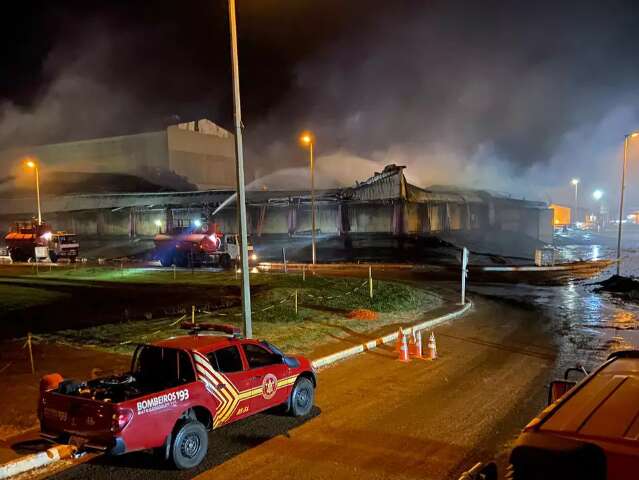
124	154
205	159
416	219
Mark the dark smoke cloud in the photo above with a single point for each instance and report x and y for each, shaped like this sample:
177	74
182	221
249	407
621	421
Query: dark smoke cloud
515	96
503	95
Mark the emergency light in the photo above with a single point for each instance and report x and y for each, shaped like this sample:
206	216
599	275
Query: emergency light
195	328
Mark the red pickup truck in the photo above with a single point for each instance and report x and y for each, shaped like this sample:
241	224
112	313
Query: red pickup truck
177	389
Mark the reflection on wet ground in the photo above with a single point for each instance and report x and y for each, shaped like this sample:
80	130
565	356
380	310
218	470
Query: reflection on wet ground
587	325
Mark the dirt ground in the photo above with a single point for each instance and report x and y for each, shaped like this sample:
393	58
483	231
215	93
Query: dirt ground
20	386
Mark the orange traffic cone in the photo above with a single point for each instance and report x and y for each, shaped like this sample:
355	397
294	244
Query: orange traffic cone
398	343
432	347
412	348
417	344
403	352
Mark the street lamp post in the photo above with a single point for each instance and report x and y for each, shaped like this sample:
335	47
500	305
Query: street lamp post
31	164
575	182
307	139
626	142
241	196
597	195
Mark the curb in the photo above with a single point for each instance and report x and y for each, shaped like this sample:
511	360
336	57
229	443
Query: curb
36	460
357	349
279	266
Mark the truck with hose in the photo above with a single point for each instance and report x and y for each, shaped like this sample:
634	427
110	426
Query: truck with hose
199	245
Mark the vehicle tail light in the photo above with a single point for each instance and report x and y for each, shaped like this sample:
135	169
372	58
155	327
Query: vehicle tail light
121	419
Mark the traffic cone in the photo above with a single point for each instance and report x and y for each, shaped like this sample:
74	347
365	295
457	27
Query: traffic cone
412	348
403	352
417	344
432	347
398	343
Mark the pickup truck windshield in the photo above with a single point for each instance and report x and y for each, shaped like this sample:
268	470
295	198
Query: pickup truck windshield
162	367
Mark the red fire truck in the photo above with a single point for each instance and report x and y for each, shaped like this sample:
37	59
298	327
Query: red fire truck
30	240
199	244
177	389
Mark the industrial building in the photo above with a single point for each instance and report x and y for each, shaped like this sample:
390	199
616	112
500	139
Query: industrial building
192	155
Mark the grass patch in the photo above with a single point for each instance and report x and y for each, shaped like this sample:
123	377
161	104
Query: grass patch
14	298
322	317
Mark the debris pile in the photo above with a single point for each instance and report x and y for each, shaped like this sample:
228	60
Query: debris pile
623	287
362	314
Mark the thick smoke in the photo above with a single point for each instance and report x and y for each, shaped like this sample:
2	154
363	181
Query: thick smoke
519	96
509	96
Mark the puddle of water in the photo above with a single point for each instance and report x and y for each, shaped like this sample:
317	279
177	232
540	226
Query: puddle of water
587	325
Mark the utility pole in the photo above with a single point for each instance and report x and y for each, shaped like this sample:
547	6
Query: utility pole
241	195
314	257
626	142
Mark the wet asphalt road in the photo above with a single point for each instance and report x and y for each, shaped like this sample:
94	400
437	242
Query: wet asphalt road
379	418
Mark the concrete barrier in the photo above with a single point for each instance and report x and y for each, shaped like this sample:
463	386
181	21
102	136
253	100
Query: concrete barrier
391	337
36	460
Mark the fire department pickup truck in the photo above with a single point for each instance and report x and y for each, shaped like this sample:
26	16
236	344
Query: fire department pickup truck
177	389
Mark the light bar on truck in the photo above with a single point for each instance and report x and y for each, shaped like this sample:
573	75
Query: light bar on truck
195	328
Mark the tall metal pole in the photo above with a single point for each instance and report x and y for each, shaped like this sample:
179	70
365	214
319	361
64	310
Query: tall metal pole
37	175
576	201
241	197
623	187
312	204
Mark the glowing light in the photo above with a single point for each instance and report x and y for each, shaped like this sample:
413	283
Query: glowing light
597	194
197	223
633	135
575	181
253	257
30	164
158	223
306	138
47	236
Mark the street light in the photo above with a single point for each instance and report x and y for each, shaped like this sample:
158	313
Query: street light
30	163
239	174
307	139
626	142
575	183
597	194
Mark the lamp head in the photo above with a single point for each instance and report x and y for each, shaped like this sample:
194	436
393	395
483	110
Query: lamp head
306	138
597	194
575	181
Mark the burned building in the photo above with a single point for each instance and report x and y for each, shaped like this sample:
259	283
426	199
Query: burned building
385	206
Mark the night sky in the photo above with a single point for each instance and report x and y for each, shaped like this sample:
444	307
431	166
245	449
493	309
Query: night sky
512	95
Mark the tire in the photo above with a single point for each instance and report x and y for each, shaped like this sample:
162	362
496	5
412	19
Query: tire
189	446
53	257
166	260
225	261
302	397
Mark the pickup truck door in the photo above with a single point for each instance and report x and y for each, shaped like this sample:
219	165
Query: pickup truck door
228	382
270	377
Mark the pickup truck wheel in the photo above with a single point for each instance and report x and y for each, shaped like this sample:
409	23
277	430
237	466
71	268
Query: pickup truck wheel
302	397
225	261
190	445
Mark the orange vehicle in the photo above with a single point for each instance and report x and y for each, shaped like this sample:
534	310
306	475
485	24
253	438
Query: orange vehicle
24	238
590	429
